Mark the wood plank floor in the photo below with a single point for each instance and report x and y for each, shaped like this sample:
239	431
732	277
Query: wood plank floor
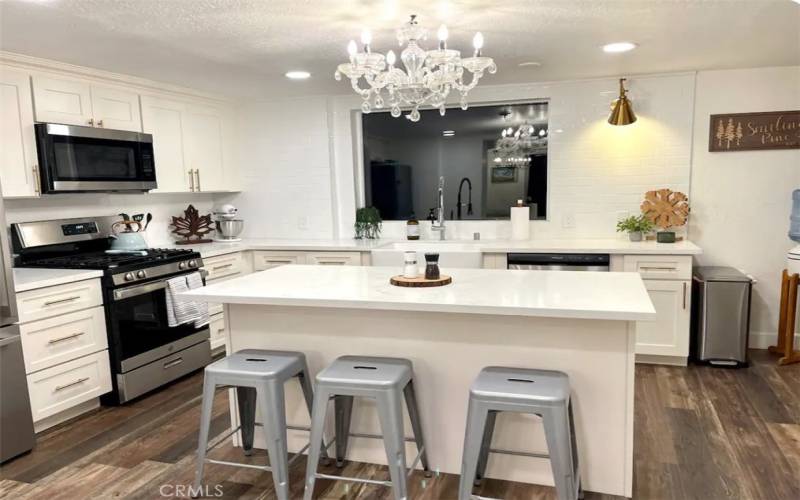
701	433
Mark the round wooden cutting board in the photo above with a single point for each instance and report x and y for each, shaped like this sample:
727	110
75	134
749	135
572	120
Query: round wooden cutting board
420	282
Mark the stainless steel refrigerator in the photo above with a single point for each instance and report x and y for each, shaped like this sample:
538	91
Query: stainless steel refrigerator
16	423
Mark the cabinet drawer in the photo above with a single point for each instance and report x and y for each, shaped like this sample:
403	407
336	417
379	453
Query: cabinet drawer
266	259
218	331
660	267
52	341
223	266
61	299
61	387
334	258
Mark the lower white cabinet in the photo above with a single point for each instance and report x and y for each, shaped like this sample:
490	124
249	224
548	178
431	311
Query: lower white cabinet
333	259
63	386
266	259
668	335
218	331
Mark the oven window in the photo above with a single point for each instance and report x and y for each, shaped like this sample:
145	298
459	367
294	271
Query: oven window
86	159
139	324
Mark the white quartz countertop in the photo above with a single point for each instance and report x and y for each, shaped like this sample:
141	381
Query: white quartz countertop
556	294
577	245
30	278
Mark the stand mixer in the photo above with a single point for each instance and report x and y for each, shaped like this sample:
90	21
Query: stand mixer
793	257
228	226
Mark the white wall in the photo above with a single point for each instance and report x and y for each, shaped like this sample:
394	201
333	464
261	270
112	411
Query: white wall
741	200
63	206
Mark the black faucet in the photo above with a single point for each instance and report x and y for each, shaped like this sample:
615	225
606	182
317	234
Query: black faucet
469	203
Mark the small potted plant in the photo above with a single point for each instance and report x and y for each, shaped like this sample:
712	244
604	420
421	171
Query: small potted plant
635	227
368	223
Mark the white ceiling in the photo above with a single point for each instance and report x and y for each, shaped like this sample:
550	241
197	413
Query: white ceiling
243	47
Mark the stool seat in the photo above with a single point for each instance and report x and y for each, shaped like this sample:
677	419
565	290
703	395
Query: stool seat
367	372
543	387
258	364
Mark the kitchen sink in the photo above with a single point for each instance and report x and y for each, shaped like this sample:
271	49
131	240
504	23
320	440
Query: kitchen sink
451	253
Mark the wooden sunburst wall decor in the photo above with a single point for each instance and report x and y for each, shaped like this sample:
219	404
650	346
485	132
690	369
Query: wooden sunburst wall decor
666	208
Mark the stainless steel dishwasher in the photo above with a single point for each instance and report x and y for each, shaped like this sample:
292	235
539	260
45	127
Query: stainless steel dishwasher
559	261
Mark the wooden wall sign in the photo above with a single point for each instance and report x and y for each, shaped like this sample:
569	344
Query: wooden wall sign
754	131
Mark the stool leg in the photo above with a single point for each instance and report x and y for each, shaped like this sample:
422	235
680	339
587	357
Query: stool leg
557	433
205	424
486	444
318	412
308	394
273	412
390	411
477	415
246	399
343	411
416	424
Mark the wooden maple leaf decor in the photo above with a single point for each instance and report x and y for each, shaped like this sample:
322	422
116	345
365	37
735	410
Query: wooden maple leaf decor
192	226
666	208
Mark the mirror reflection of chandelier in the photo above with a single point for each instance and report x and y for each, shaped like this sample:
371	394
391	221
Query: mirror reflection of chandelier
428	78
515	147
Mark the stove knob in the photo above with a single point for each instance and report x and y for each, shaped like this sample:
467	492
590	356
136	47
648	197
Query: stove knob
128	277
192	263
141	274
181	265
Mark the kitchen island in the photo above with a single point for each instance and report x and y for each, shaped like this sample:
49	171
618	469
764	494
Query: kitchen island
582	323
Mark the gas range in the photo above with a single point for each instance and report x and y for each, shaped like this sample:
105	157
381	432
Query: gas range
144	351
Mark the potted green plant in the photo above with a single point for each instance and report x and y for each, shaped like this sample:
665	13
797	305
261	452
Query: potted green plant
635	227
368	223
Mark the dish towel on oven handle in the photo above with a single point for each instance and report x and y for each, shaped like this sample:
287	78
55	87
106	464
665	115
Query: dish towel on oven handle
182	311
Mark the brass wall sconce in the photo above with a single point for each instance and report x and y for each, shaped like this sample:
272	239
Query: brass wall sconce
621	109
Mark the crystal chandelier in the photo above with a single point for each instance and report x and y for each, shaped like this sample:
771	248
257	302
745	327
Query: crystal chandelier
428	78
516	147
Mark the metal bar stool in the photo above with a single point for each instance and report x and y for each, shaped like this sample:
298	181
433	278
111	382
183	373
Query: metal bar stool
542	392
259	377
386	380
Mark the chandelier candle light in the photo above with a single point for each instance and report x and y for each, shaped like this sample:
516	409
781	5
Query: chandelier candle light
429	76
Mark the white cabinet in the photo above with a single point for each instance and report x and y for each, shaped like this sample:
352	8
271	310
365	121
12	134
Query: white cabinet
52	301
165	119
191	144
267	259
18	170
668	335
333	258
79	102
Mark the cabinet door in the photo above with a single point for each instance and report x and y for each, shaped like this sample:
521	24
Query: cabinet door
166	121
116	109
668	335
333	258
204	137
62	101
18	173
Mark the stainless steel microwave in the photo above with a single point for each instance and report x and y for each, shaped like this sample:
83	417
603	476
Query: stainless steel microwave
81	159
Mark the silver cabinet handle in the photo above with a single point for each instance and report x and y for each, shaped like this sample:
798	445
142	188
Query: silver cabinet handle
222	266
684	295
331	262
653	268
191	180
172	363
197	173
36	182
91	122
79	381
99	123
68	337
61	301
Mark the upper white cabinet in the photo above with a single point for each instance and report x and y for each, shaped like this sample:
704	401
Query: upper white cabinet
78	102
165	119
191	144
18	172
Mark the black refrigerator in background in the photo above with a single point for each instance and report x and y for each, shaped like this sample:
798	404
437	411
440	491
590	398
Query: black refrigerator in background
390	189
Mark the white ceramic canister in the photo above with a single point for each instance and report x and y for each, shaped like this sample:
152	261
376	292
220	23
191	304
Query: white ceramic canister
410	269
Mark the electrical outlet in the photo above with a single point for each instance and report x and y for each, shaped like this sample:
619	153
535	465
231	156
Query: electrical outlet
568	220
302	222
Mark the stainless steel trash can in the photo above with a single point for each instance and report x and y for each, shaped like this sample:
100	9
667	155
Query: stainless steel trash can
721	315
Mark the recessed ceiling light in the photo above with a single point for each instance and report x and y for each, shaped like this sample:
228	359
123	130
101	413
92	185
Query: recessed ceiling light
528	64
618	47
297	75
448	133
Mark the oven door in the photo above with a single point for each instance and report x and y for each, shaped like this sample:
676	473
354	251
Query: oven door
76	158
138	327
